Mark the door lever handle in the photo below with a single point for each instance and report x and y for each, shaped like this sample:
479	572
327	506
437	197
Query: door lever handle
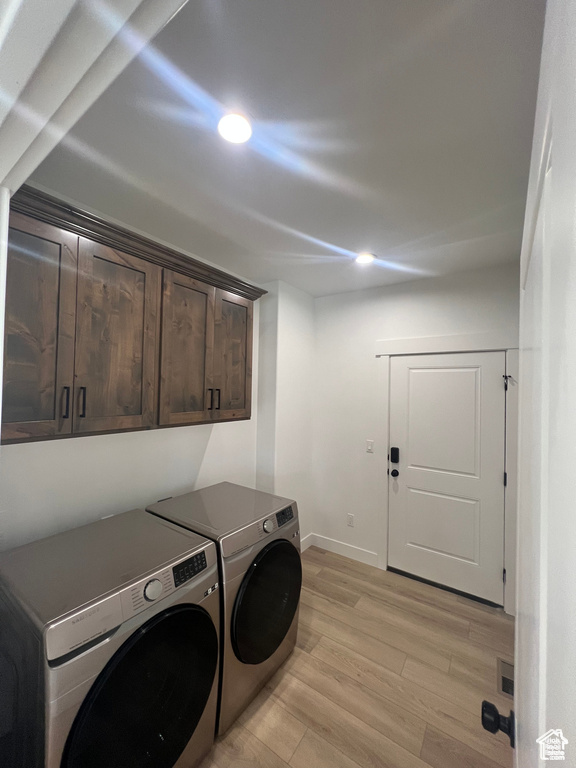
493	721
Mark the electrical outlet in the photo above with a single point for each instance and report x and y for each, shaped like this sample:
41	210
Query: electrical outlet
350	519
369	446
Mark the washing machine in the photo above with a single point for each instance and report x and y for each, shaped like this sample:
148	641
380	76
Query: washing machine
109	647
258	541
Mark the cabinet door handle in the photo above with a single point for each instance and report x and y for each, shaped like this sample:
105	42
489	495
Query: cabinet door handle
217	408
66	393
82	413
211	391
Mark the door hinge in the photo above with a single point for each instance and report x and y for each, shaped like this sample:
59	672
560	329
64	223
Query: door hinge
505	479
504	575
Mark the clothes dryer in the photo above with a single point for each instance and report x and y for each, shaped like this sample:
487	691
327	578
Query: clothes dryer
258	540
109	647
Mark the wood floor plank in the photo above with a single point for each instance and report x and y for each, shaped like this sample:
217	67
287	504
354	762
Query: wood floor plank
315	752
478	670
209	761
332	591
414	590
388	717
413	622
241	749
444	616
502	642
307	637
378	627
434	680
370	647
444	714
309	569
404	585
358	741
442	751
436	638
272	725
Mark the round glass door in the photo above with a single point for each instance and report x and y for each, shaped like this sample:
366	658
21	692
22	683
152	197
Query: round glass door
266	602
145	705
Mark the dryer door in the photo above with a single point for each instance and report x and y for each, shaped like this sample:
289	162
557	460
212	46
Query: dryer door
266	602
145	705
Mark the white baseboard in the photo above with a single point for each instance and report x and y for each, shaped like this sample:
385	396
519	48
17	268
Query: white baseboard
339	548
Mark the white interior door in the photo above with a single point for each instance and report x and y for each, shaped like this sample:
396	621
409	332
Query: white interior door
446	511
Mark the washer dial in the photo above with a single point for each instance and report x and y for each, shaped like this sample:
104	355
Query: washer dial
153	590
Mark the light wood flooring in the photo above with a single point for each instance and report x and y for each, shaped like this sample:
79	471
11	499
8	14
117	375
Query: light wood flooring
387	673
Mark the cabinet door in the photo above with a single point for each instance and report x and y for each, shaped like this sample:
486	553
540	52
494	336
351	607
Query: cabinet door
186	393
39	330
232	356
116	340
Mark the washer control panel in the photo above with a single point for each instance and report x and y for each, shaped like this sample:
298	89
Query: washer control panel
185	571
102	617
284	516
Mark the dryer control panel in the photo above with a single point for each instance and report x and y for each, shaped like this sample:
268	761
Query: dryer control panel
283	523
284	516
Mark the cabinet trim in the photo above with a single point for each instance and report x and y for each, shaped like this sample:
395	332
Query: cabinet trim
39	205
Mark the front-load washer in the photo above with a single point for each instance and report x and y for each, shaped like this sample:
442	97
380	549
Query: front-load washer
109	647
258	541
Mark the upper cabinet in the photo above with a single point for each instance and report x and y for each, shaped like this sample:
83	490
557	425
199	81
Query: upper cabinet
116	340
206	353
186	392
116	333
39	330
232	356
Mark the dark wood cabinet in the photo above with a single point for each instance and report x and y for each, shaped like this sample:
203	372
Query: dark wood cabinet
106	335
39	330
186	389
232	377
116	340
206	353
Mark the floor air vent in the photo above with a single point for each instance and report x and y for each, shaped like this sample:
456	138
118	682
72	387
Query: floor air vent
506	677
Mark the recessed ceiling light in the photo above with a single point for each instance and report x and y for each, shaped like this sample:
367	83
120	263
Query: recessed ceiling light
235	128
365	258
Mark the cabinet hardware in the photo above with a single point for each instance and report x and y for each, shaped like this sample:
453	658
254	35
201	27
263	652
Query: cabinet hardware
66	393
211	406
82	413
218	406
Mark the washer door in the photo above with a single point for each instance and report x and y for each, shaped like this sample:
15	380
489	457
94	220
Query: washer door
146	703
266	602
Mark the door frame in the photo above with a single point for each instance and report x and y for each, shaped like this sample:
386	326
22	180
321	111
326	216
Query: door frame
499	341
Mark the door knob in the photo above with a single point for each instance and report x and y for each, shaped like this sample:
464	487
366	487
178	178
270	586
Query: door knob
394	473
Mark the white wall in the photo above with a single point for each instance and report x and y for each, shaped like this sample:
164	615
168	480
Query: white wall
286	405
546	627
50	486
351	397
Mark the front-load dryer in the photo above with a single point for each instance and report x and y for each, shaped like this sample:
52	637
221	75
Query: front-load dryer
258	542
109	647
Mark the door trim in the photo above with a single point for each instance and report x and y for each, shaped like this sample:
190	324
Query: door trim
498	340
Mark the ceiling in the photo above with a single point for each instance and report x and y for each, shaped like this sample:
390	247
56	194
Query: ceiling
400	127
